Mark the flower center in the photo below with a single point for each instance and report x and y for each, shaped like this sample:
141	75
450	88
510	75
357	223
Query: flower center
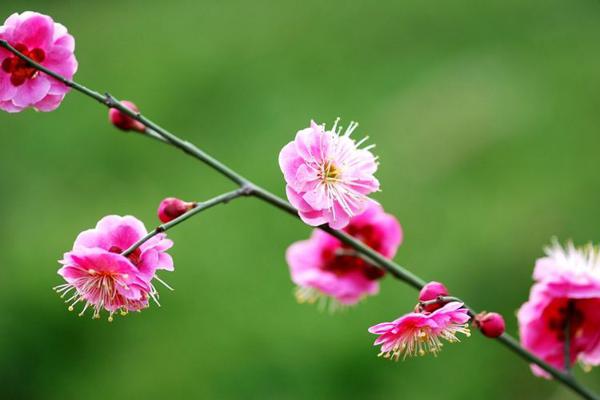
560	313
19	70
330	172
344	260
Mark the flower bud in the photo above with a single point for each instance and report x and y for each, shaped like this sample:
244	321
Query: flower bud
432	291
490	324
171	208
123	121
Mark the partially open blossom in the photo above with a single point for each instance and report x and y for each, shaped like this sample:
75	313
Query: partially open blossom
432	291
328	175
48	43
323	266
99	276
419	333
490	324
566	296
123	121
171	208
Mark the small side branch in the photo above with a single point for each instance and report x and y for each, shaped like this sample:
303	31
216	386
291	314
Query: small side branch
221	199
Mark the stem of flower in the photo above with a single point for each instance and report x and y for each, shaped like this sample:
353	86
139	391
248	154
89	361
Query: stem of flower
201	206
248	188
567	349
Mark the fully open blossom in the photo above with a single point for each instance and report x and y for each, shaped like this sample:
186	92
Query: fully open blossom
102	277
418	333
44	41
567	294
328	176
323	266
103	280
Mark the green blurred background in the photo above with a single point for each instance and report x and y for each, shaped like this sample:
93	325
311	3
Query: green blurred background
485	116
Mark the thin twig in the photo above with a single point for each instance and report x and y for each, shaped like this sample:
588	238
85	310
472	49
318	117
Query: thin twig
221	199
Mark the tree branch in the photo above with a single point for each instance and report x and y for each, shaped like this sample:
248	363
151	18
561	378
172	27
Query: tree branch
251	189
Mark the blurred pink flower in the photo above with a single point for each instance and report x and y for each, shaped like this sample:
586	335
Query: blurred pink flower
567	292
323	266
419	333
46	42
328	176
96	257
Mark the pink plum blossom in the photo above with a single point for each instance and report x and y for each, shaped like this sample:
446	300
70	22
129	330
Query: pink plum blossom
105	279
328	176
323	266
418	333
44	41
567	293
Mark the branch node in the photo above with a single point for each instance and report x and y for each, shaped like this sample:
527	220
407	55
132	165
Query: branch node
109	100
247	189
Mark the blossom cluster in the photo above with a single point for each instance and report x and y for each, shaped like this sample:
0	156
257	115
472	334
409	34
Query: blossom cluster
329	177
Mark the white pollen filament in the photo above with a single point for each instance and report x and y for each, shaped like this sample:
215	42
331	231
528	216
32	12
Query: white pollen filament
98	290
339	169
575	258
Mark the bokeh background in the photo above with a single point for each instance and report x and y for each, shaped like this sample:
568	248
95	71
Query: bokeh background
485	116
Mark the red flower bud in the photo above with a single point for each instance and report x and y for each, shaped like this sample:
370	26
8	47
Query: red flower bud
490	324
125	122
432	291
171	208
